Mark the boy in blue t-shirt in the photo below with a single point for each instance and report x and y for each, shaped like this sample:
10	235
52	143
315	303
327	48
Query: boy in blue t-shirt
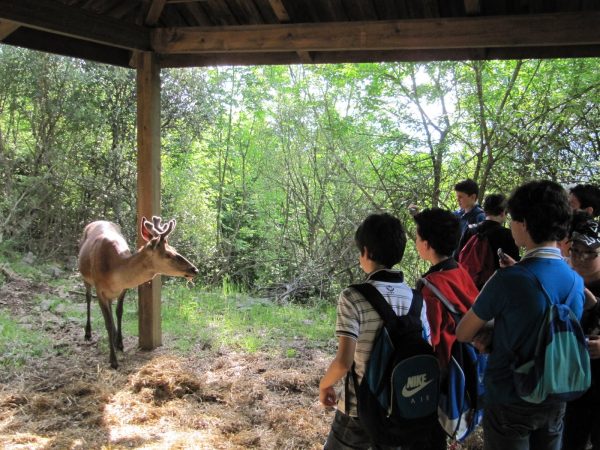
540	217
469	212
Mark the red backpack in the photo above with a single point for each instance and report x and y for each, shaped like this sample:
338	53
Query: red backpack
477	257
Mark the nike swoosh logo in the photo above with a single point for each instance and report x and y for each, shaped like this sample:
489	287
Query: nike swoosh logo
409	392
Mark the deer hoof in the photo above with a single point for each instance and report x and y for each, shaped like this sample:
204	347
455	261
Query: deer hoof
114	365
88	337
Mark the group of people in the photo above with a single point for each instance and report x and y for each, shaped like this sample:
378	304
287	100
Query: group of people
560	236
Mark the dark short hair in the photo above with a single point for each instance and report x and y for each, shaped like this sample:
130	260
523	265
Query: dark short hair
544	206
588	196
440	228
494	204
578	218
467	186
384	237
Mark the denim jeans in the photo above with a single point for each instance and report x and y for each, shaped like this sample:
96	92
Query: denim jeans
582	422
523	426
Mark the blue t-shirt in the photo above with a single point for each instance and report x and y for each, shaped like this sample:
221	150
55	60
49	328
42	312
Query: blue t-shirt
516	303
474	215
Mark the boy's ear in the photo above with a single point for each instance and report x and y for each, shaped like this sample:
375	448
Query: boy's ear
589	210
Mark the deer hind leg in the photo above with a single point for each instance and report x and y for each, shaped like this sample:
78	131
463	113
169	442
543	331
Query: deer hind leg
119	339
88	299
106	307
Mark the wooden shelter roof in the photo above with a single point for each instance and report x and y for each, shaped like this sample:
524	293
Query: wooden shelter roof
185	33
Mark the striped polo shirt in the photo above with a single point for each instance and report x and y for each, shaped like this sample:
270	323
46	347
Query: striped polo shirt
357	320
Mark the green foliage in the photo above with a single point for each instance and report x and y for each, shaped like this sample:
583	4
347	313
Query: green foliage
268	170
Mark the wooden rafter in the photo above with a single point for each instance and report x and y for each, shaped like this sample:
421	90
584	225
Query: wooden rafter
462	54
472	7
283	17
7	28
474	32
154	12
54	17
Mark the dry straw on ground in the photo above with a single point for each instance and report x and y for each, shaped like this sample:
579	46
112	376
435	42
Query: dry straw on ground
205	399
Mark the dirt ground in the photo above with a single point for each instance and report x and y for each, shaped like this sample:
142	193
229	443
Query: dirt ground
206	399
155	400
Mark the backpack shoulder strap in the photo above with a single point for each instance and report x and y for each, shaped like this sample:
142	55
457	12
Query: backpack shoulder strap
448	305
374	297
383	308
533	276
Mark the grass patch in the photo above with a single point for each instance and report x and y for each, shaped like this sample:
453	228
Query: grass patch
17	343
240	321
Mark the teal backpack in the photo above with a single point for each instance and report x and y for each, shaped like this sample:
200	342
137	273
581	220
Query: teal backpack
560	368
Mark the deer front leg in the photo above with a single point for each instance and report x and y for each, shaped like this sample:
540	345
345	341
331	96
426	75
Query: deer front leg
88	299
119	340
105	306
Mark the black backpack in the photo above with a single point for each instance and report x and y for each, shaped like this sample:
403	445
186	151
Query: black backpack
397	398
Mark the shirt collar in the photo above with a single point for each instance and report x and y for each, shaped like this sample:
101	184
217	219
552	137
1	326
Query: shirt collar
394	276
543	252
447	264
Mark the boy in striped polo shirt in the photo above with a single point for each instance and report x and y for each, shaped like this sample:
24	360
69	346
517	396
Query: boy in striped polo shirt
381	241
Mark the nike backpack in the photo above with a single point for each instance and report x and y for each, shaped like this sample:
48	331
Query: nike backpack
397	397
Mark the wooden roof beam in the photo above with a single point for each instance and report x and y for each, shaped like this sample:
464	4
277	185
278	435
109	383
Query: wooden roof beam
462	54
472	7
53	17
154	12
444	33
7	28
283	16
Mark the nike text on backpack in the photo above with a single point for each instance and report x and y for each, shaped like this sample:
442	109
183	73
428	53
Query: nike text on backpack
560	368
461	393
477	257
398	394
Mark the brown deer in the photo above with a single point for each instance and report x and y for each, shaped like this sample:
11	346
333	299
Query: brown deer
107	264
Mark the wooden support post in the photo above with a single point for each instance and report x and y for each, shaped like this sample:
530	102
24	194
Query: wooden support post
148	187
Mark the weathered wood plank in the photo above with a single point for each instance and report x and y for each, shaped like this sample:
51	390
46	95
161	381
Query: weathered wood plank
198	14
245	12
7	28
154	12
474	32
281	58
65	46
148	187
51	16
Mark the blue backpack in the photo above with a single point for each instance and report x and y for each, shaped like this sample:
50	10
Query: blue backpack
560	368
462	391
398	395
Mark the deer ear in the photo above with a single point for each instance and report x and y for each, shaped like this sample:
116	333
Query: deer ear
146	229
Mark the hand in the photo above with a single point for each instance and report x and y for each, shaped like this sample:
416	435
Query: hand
507	261
590	299
483	339
413	209
327	396
594	346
